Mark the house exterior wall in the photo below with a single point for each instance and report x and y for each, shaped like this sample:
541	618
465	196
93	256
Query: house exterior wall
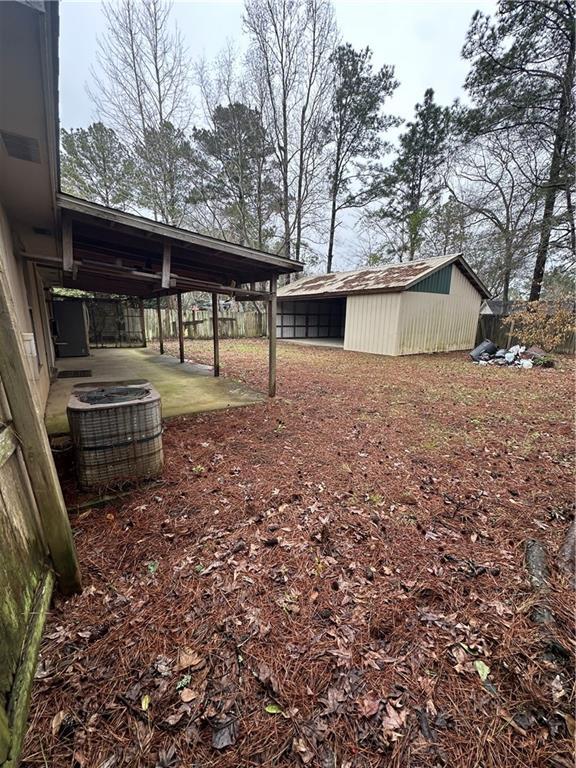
432	322
30	310
372	323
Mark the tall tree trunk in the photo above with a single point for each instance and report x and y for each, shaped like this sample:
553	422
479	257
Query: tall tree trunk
333	206
285	188
555	171
506	282
332	230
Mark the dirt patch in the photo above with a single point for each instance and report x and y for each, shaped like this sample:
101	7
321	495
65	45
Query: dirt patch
331	578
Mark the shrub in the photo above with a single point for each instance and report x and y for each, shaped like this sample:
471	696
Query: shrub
542	324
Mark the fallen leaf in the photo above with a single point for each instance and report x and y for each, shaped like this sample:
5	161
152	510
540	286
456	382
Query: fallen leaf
392	722
273	709
368	705
558	690
187	694
305	754
482	669
187	658
145	702
224	735
57	721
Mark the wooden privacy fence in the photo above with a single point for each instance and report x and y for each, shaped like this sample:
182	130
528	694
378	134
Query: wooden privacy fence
198	324
492	327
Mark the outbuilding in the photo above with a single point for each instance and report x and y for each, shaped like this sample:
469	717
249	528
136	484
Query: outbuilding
431	305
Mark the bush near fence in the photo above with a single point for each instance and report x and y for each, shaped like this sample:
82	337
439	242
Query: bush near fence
493	327
198	324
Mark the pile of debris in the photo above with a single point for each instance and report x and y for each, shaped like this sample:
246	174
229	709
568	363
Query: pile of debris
487	353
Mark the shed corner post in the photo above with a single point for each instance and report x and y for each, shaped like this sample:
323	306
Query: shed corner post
180	326
272	311
215	334
160	332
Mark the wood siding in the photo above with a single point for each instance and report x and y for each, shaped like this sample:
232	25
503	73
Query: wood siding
29	308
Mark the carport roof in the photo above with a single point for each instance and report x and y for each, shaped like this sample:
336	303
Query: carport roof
112	251
386	279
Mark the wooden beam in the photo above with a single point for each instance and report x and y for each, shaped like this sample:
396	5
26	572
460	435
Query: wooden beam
166	259
160	332
31	432
215	334
24	679
67	245
180	327
182	237
8	445
142	321
272	311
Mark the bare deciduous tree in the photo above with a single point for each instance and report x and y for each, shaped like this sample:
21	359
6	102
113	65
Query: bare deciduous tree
141	89
291	45
492	178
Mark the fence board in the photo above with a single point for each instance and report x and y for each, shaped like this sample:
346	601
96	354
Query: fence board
198	324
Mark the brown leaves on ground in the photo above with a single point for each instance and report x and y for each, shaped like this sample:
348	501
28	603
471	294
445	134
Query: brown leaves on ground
342	584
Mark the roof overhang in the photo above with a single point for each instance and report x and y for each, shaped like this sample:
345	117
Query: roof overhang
111	251
29	117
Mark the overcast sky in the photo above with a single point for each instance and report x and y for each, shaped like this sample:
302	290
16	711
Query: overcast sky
421	38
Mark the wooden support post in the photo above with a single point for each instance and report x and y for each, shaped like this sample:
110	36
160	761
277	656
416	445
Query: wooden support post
142	321
166	262
215	334
180	327
31	432
67	245
272	310
160	333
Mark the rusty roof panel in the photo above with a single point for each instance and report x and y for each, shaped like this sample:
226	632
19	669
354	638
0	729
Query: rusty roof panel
390	277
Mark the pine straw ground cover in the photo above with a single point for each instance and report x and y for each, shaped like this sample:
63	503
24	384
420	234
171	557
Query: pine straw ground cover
332	578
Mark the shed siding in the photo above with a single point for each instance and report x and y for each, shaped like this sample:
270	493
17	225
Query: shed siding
432	322
372	323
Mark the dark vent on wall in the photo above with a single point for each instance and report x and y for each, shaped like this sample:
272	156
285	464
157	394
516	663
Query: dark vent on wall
41	231
21	147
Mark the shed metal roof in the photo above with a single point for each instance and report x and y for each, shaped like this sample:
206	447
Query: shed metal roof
386	279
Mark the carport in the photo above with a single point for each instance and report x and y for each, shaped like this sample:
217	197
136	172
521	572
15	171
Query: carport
113	252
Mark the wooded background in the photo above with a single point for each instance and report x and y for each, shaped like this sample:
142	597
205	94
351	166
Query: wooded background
288	145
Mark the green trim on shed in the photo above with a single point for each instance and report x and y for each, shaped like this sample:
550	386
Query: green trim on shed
437	282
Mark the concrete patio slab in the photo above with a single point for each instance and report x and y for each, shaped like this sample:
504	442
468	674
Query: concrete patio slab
184	387
333	343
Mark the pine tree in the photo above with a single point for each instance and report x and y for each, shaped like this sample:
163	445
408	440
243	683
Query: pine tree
166	183
412	186
97	166
235	166
355	130
522	79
